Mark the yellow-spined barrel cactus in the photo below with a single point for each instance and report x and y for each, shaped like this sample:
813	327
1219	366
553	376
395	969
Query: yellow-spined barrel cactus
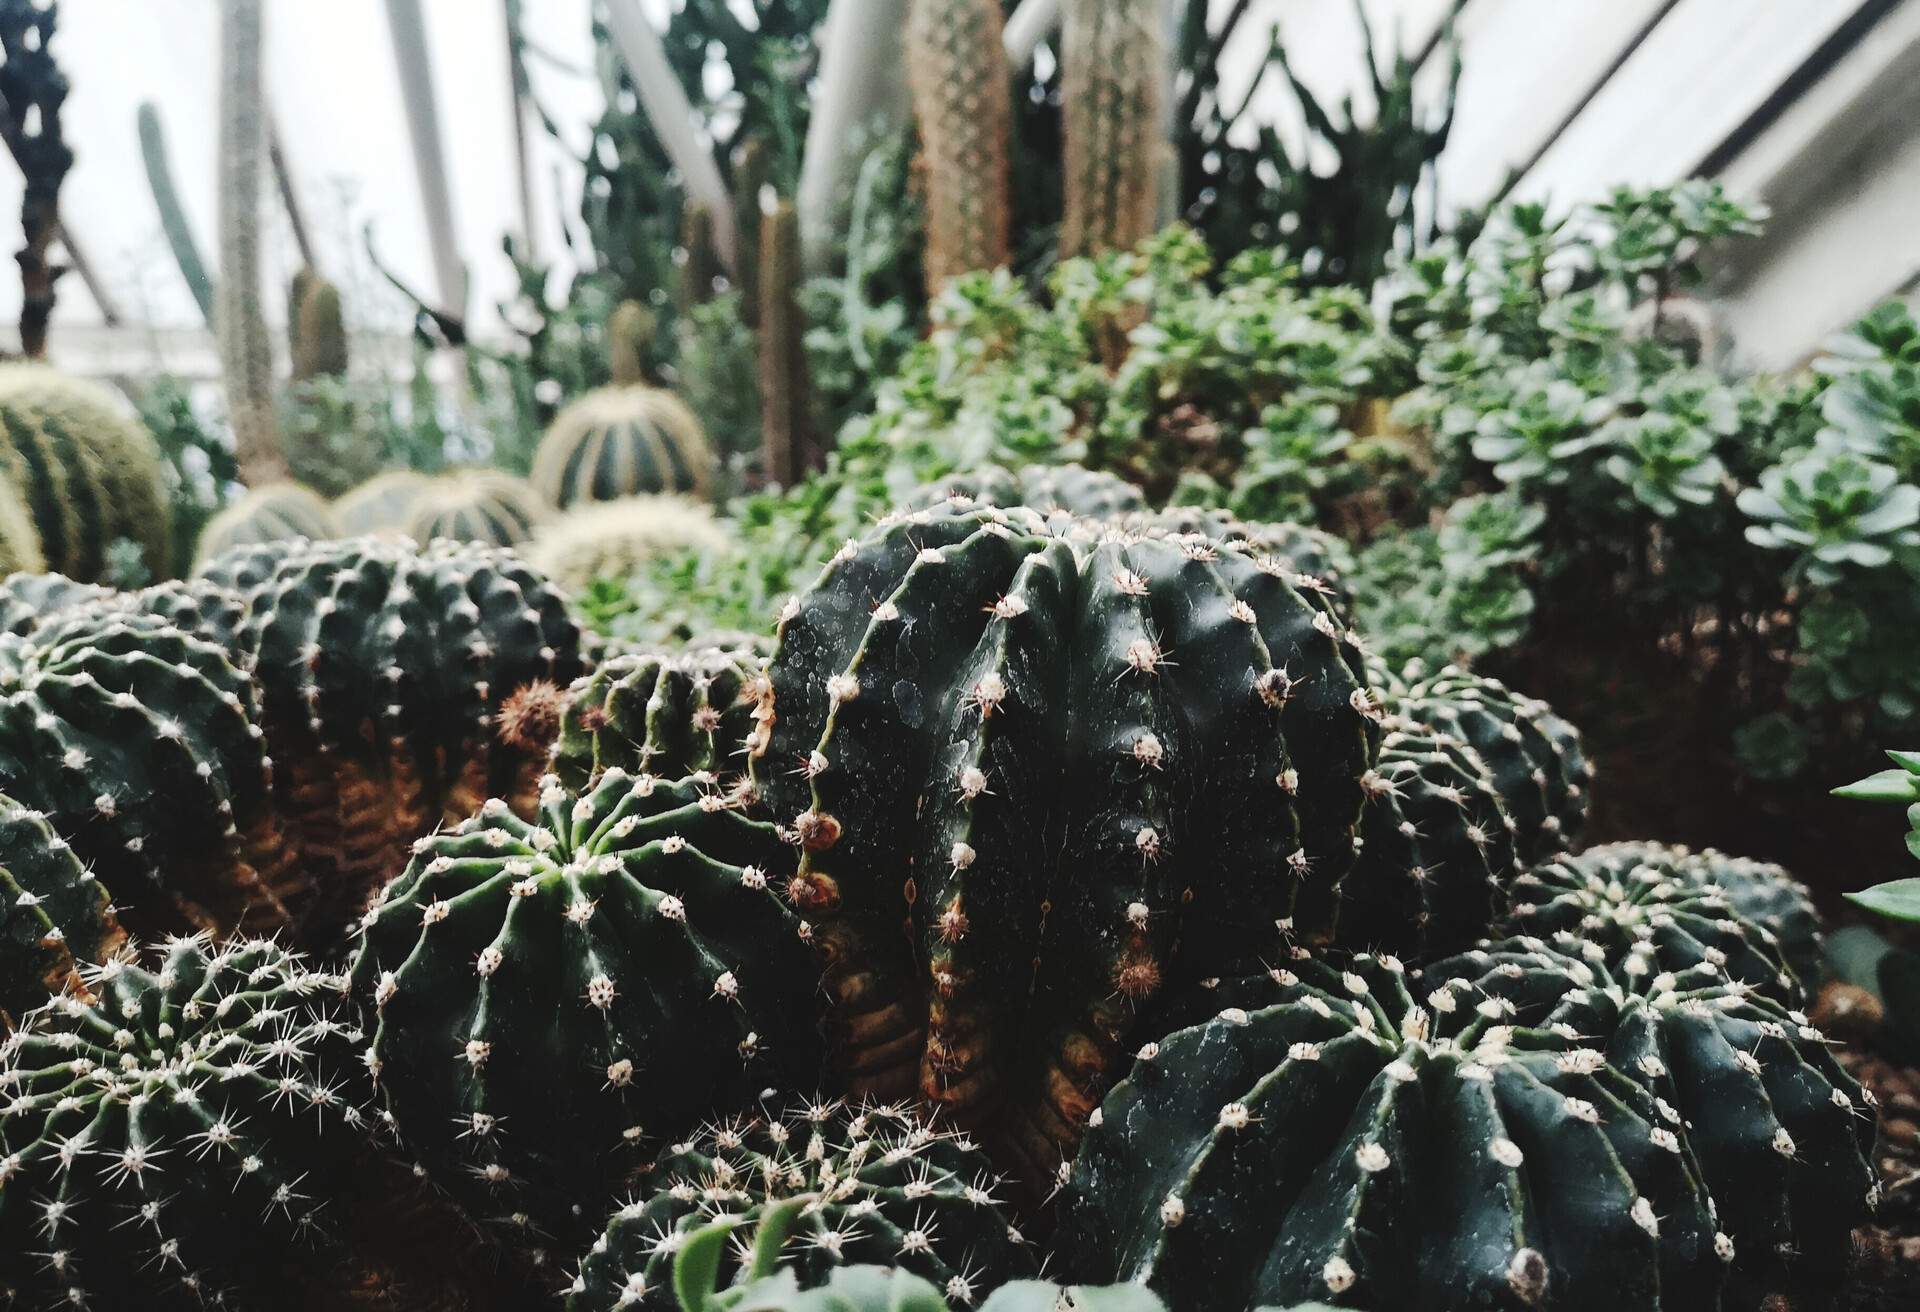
19	539
182	1140
557	998
886	1184
622	441
380	504
55	917
615	539
963	103
278	512
1059	753
90	475
476	505
691	713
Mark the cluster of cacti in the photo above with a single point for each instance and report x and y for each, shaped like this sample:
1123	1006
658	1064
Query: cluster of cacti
55	917
690	714
1112	66
178	1138
89	475
615	539
880	1184
622	442
555	998
275	512
957	71
475	505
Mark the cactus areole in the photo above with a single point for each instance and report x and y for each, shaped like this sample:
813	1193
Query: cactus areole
1040	770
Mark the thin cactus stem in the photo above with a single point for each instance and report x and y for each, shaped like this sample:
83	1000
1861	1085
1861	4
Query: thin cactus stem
173	219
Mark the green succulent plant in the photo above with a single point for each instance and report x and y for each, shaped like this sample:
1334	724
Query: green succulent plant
1833	510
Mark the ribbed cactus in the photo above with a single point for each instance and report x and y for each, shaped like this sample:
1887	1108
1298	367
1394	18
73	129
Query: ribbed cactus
1056	752
620	442
881	1184
1325	559
316	328
380	668
136	741
556	999
90	475
785	385
962	100
181	1142
476	505
380	504
201	609
19	539
1112	58
173	216
1070	488
277	512
615	539
667	715
55	917
1403	1156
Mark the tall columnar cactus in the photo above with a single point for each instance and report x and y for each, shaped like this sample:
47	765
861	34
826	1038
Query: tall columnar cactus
557	998
1111	70
667	715
19	539
1742	1085
476	505
1056	753
90	475
697	272
1404	1156
173	216
752	172
620	442
246	352
276	512
316	328
616	539
136	741
380	504
380	668
630	332
55	917
177	1144
962	100
882	1184
785	386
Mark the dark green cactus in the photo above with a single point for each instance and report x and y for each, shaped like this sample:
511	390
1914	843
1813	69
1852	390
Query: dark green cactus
55	918
880	1184
177	1144
278	512
202	609
556	999
670	715
1056	752
476	505
1070	488
90	475
1323	558
620	442
1403	1156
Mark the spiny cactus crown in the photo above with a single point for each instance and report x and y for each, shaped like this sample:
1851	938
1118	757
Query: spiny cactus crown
700	712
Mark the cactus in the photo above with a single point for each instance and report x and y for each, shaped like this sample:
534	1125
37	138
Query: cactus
31	95
90	475
176	1144
1404	1156
555	996
173	216
1742	1085
667	715
136	741
696	276
962	101
203	610
1055	752
1069	488
630	332
1324	558
380	668
1664	909
19	539
620	442
476	505
785	386
277	512
615	539
55	917
752	171
879	1183
380	504
316	329
1111	58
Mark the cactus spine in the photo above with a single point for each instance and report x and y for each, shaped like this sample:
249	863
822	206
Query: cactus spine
173	216
784	442
1110	93
957	71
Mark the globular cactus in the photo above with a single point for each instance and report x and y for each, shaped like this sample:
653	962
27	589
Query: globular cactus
692	713
1111	65
19	539
177	1143
621	442
90	475
880	1184
616	539
1404	1156
476	505
381	667
55	917
1055	752
1324	559
557	998
1741	1084
316	328
380	504
137	743
278	512
204	610
1073	489
962	100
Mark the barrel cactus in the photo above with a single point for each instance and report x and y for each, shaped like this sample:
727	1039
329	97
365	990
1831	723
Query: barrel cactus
556	998
380	504
622	442
19	539
881	1184
1056	753
90	475
381	667
175	1143
616	539
476	505
1076	490
668	715
1405	1155
278	512
55	917
1323	558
